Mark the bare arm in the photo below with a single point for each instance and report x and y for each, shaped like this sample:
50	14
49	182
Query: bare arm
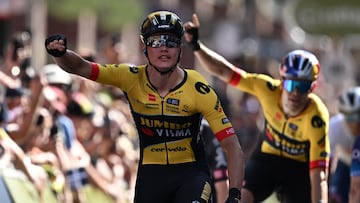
211	61
221	188
319	185
35	173
235	159
214	63
8	81
71	61
354	189
26	125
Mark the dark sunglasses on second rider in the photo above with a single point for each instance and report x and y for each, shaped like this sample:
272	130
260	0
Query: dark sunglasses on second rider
163	40
302	86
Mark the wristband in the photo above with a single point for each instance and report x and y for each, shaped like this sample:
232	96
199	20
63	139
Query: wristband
55	52
194	43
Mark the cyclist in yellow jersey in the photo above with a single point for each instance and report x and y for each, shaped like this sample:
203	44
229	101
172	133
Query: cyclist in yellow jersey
167	104
293	155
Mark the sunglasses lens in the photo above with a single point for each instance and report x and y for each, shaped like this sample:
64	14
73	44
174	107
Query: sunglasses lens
155	43
172	44
301	86
163	40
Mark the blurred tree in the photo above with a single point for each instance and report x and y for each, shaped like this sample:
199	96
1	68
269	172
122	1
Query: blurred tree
112	14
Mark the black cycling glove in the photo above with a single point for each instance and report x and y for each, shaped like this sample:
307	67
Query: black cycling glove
55	52
194	32
234	196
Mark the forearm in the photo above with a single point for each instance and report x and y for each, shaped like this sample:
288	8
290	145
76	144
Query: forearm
8	81
319	186
21	161
29	115
354	196
236	170
221	188
97	178
214	63
73	63
236	162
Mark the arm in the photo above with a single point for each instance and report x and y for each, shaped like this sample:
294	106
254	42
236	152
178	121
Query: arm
221	188
354	189
319	185
225	134
211	61
215	64
7	81
35	173
96	177
68	60
235	159
27	123
319	153
217	160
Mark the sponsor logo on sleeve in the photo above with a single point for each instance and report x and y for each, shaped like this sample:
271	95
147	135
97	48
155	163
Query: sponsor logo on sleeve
202	88
133	69
317	122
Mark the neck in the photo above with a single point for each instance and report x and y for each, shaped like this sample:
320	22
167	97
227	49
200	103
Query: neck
165	82
290	110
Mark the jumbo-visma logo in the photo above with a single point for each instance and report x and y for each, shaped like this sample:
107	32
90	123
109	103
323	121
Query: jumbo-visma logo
153	127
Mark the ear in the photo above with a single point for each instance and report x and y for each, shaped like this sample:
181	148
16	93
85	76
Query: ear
179	56
143	47
282	82
313	86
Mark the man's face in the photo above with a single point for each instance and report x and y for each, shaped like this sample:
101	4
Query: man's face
295	95
163	50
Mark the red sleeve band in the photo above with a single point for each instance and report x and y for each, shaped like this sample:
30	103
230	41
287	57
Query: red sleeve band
227	132
235	78
94	71
319	164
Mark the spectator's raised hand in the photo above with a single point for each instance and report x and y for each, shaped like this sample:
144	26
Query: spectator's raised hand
192	32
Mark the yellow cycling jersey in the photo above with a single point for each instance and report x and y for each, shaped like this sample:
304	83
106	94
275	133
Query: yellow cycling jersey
302	138
168	126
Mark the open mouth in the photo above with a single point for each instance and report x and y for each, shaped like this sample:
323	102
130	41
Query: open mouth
164	58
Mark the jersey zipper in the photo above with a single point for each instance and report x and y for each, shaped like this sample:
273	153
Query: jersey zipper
282	134
165	143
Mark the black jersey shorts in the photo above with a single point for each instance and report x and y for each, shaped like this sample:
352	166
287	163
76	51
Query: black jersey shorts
265	174
173	184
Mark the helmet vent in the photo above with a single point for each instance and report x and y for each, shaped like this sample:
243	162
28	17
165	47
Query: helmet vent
351	98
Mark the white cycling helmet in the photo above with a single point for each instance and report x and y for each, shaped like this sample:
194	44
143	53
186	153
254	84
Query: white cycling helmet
349	101
55	75
300	64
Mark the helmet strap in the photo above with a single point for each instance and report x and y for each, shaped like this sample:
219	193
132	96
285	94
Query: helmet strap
313	86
